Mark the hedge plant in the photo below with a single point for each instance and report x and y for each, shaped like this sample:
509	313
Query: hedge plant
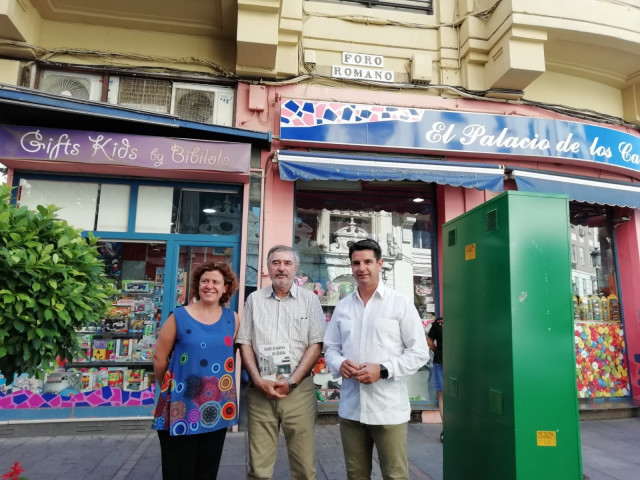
52	284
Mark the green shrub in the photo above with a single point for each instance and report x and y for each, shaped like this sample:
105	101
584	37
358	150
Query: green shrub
52	283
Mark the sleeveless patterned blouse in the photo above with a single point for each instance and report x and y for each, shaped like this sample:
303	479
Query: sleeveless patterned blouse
198	392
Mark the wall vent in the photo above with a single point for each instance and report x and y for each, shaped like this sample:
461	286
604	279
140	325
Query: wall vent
452	387
496	402
492	220
146	94
451	238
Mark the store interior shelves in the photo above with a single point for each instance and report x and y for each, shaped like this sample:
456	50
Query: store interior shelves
112	334
110	363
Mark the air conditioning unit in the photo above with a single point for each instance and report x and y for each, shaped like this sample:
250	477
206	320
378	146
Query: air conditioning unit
71	84
147	94
203	104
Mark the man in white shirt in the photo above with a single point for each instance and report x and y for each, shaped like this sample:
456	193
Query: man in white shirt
375	341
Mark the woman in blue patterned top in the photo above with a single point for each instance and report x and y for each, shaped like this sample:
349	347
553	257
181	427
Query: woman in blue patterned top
195	360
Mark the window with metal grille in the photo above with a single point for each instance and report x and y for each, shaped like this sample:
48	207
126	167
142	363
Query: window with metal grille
145	94
425	6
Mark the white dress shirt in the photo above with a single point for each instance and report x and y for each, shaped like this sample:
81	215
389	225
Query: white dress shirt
387	330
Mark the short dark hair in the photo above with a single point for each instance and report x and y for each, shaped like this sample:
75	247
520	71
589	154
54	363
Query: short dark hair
230	280
366	244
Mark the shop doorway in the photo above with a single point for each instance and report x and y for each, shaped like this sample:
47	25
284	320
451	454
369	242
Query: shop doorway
191	257
602	366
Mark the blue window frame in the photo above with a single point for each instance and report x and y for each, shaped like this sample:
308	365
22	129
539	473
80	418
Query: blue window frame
230	221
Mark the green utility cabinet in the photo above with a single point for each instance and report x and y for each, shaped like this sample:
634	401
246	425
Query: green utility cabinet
510	399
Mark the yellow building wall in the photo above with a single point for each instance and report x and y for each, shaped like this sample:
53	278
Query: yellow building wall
562	89
9	72
134	47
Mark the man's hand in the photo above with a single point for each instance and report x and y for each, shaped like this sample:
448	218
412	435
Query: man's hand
368	373
282	387
349	369
273	389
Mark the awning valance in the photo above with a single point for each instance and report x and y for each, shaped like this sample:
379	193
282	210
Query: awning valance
580	189
328	166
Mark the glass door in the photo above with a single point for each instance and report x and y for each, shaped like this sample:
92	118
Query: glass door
183	257
191	257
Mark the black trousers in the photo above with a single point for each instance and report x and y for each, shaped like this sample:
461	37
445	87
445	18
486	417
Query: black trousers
191	457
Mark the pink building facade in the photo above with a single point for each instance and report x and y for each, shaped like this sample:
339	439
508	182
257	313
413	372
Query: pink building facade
343	161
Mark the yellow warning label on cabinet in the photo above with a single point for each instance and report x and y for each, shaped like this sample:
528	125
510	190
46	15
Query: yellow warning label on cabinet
470	251
546	439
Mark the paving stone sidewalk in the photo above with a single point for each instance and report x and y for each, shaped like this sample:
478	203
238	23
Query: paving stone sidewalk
609	452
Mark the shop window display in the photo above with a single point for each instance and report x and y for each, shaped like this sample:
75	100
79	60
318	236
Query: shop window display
601	356
118	351
398	217
206	212
116	368
253	237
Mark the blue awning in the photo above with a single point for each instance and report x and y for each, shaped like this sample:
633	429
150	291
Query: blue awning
24	106
580	189
328	166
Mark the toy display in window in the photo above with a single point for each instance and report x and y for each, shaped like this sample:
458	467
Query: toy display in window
111	254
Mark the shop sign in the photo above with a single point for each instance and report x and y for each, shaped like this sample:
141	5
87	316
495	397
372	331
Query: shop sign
356	66
161	153
362	59
461	132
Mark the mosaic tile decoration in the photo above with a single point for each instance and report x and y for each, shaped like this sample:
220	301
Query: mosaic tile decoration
104	397
304	113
